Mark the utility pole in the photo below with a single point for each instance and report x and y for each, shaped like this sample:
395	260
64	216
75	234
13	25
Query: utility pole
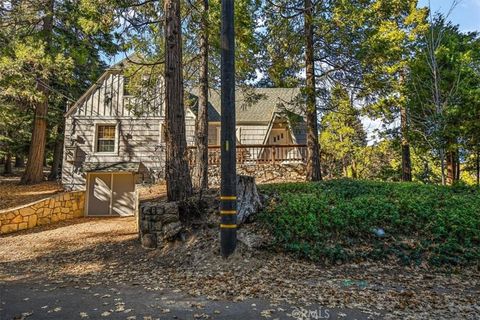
228	184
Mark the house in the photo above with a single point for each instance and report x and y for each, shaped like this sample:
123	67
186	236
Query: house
114	141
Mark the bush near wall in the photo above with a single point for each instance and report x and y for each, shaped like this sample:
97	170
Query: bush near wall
57	208
344	220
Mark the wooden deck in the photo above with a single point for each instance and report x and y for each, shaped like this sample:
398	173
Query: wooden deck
258	154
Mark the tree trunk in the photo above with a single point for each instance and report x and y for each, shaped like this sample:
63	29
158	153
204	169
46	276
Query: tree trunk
426	172
442	166
19	161
452	167
200	173
478	168
406	159
7	166
449	168
34	170
344	167
179	183
354	169
457	176
57	153
313	148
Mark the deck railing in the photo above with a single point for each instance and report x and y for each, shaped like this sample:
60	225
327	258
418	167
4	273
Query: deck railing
258	154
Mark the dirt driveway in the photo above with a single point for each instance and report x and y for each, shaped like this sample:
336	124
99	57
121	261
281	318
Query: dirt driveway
96	269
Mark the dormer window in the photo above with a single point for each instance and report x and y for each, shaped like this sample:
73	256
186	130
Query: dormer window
105	138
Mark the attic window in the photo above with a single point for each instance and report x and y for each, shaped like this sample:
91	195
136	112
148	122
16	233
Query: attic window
106	138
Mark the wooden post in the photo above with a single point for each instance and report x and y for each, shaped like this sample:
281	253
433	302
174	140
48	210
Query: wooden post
228	193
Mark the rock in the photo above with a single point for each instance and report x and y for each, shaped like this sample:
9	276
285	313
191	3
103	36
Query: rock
159	221
149	241
169	218
251	240
379	232
170	208
171	230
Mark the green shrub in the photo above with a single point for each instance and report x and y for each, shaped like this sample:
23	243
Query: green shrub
335	221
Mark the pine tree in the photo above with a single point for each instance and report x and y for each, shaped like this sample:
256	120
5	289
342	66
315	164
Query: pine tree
200	172
179	183
343	135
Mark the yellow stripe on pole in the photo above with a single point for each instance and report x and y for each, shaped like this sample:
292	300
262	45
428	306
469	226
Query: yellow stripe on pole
228	226
228	198
228	211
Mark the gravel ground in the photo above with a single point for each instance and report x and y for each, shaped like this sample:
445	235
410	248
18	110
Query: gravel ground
84	257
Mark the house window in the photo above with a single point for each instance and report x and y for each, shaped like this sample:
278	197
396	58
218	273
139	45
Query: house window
106	138
126	86
212	135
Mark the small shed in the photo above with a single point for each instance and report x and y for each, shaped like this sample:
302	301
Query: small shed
111	188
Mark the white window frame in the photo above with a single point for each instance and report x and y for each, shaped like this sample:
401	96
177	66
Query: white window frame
95	139
160	133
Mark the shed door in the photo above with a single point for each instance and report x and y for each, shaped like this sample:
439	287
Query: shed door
99	194
111	194
123	202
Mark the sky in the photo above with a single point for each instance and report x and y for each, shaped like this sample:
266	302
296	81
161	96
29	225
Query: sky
466	14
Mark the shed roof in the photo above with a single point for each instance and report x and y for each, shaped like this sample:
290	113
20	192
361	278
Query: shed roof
112	166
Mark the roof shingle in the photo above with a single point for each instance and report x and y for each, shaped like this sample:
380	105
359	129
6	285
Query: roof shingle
254	105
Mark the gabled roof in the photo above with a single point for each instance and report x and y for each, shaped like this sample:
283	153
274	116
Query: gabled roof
253	105
116	68
87	93
256	105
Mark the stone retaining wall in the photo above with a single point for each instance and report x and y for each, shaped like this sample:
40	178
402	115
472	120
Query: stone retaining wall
56	208
158	222
268	172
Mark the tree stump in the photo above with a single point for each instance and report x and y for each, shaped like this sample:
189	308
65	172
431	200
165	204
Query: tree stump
248	198
160	222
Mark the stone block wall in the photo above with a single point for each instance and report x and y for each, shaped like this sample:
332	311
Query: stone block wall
264	173
158	222
56	208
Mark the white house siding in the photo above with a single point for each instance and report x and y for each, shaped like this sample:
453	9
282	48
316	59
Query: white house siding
246	134
138	137
137	140
252	134
106	98
190	127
